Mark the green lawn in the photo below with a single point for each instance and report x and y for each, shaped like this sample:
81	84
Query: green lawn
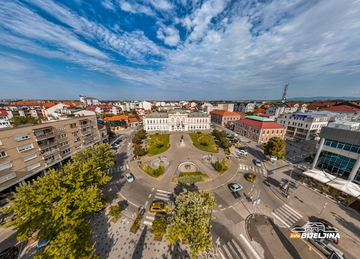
157	144
204	141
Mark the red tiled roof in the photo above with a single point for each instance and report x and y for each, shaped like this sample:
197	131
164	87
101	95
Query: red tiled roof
116	118
314	105
261	124
132	120
225	113
3	112
27	103
341	108
48	105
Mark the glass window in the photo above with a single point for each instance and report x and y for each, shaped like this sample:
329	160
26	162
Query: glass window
340	145
328	142
354	148
334	143
347	147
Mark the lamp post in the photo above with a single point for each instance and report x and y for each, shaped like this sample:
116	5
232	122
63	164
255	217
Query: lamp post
323	208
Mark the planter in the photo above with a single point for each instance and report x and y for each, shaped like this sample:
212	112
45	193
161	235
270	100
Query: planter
115	219
134	229
158	238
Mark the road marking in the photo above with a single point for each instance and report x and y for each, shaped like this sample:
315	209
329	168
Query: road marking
129	201
148	223
149	195
150	217
293	210
231	248
250	247
227	252
221	253
223	209
164	191
146	203
280	220
239	249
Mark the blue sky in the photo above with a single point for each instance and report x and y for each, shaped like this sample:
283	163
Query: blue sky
180	50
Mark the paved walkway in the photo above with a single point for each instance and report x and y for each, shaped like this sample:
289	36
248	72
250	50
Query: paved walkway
178	154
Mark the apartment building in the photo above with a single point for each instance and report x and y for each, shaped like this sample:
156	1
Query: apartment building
339	150
4	119
223	117
259	129
28	150
176	120
303	126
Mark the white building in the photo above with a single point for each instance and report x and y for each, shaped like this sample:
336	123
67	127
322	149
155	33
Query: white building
303	126
176	120
145	105
57	111
87	101
4	119
282	108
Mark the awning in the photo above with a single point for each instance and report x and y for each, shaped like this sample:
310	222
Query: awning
348	187
319	175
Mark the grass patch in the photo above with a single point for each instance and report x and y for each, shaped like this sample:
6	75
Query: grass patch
191	177
151	171
157	144
203	141
221	167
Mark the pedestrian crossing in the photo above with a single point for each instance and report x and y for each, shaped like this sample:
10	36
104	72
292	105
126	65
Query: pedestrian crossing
286	215
255	169
158	195
231	250
117	169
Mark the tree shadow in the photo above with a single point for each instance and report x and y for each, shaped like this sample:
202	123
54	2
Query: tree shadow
180	187
353	228
141	244
175	251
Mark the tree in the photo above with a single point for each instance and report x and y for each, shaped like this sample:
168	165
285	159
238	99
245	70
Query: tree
159	227
275	147
218	166
114	211
136	139
54	206
191	214
139	151
22	120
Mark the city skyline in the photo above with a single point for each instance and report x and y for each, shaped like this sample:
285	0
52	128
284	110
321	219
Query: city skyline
163	50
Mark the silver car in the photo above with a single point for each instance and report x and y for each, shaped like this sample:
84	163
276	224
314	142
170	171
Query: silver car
129	177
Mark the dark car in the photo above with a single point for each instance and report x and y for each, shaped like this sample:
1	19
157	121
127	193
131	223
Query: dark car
328	228
9	253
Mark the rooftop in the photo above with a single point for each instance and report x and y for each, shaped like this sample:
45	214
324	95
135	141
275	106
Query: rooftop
258	118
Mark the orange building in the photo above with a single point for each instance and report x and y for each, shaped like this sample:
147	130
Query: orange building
223	117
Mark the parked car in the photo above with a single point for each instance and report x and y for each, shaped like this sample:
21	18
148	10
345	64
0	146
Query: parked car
251	177
9	253
129	177
328	228
257	162
235	187
158	207
325	247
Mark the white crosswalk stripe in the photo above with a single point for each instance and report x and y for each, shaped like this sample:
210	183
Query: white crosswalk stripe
286	215
231	250
253	169
159	195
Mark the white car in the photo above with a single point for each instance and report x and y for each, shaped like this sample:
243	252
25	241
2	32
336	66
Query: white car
257	162
235	187
129	177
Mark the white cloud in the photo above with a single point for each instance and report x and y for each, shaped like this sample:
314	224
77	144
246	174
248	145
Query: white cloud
161	4
169	35
108	4
135	8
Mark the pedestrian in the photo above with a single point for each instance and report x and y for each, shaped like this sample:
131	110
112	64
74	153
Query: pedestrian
251	197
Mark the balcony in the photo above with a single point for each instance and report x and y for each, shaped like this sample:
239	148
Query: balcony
52	161
85	125
86	132
47	144
51	152
88	143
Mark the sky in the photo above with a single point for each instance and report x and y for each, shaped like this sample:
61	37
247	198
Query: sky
179	50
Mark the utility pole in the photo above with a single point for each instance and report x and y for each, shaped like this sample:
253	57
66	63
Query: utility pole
256	202
323	208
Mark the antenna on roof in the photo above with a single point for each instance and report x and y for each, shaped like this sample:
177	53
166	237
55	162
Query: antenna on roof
283	100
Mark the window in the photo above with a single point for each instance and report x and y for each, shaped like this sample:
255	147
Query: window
75	133
7	177
347	147
62	136
29	157
60	128
63	144
3	154
77	139
66	151
72	125
25	147
5	166
32	167
21	137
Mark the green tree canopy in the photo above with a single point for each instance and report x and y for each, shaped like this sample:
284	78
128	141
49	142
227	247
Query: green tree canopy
53	207
159	227
139	151
275	147
191	214
22	120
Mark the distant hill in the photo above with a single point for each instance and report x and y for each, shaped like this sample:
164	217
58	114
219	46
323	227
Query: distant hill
323	98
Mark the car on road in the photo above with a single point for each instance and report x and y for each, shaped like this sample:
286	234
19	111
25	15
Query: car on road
257	162
158	207
329	227
235	187
129	177
325	247
9	253
251	177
